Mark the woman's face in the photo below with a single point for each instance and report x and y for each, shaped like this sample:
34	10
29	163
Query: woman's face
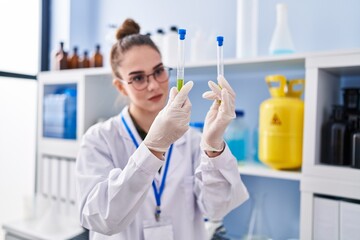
143	60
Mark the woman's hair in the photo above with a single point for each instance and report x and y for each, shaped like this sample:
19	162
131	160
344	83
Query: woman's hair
127	37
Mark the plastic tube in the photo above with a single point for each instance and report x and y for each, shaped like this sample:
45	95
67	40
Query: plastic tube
220	56
181	59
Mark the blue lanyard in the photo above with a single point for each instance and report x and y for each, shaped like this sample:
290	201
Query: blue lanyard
157	192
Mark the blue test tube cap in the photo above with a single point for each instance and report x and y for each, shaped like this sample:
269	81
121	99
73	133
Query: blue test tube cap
239	113
220	40
182	33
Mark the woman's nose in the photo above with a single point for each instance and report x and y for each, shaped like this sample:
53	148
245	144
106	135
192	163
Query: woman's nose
152	83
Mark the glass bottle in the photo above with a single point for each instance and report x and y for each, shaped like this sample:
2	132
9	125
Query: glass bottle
85	61
158	39
281	41
61	58
258	228
97	58
246	28
237	135
334	138
355	146
73	61
256	144
351	98
170	47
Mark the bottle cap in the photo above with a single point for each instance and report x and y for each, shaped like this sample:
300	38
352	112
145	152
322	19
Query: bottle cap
173	29
239	113
220	40
160	31
281	7
182	33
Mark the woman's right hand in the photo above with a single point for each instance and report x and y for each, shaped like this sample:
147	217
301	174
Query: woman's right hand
172	121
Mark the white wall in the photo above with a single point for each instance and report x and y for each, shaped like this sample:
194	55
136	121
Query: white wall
17	147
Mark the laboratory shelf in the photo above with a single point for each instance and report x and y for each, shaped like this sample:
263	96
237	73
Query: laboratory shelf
42	229
58	147
250	66
261	170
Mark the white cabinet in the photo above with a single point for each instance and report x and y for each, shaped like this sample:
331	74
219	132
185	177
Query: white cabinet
335	219
96	99
55	214
326	219
325	76
349	220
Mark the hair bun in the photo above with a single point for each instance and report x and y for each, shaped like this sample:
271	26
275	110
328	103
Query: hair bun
128	27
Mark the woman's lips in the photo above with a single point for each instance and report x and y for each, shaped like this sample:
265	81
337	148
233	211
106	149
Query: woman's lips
155	98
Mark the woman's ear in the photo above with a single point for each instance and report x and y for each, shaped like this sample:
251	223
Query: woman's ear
119	86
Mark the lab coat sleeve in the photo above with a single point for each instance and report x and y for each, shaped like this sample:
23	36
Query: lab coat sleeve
218	185
110	197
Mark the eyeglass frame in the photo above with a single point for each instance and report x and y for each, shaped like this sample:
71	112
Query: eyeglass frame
167	69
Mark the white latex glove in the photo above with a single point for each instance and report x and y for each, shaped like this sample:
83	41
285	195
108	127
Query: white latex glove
221	113
172	121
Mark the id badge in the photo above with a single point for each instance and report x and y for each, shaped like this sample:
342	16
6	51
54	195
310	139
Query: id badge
159	230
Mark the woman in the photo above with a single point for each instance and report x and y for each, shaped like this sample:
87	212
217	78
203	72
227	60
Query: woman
144	174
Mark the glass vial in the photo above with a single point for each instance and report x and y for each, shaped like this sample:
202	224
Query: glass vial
281	42
97	58
237	135
61	61
85	61
73	61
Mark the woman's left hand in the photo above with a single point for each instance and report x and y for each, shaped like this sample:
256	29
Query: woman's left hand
220	114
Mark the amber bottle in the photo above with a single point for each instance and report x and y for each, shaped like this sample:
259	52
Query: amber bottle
97	58
61	58
73	60
85	61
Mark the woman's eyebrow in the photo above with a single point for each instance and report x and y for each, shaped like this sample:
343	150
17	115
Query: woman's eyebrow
137	72
157	66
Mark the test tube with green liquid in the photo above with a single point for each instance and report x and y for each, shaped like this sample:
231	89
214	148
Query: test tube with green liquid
220	58
181	59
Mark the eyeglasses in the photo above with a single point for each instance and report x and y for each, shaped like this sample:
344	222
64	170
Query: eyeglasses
141	81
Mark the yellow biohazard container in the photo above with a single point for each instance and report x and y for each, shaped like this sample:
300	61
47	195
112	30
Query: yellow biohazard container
281	124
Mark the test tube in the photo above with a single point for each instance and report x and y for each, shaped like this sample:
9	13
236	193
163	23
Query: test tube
220	56
181	59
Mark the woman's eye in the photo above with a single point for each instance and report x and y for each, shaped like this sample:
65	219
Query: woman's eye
138	78
159	71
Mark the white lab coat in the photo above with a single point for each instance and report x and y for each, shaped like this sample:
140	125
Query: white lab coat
114	184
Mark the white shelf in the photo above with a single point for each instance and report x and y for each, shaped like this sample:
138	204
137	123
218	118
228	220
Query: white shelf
58	147
33	229
260	170
341	173
331	187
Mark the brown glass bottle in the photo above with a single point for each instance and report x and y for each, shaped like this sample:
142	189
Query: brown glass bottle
73	60
61	58
85	61
97	58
